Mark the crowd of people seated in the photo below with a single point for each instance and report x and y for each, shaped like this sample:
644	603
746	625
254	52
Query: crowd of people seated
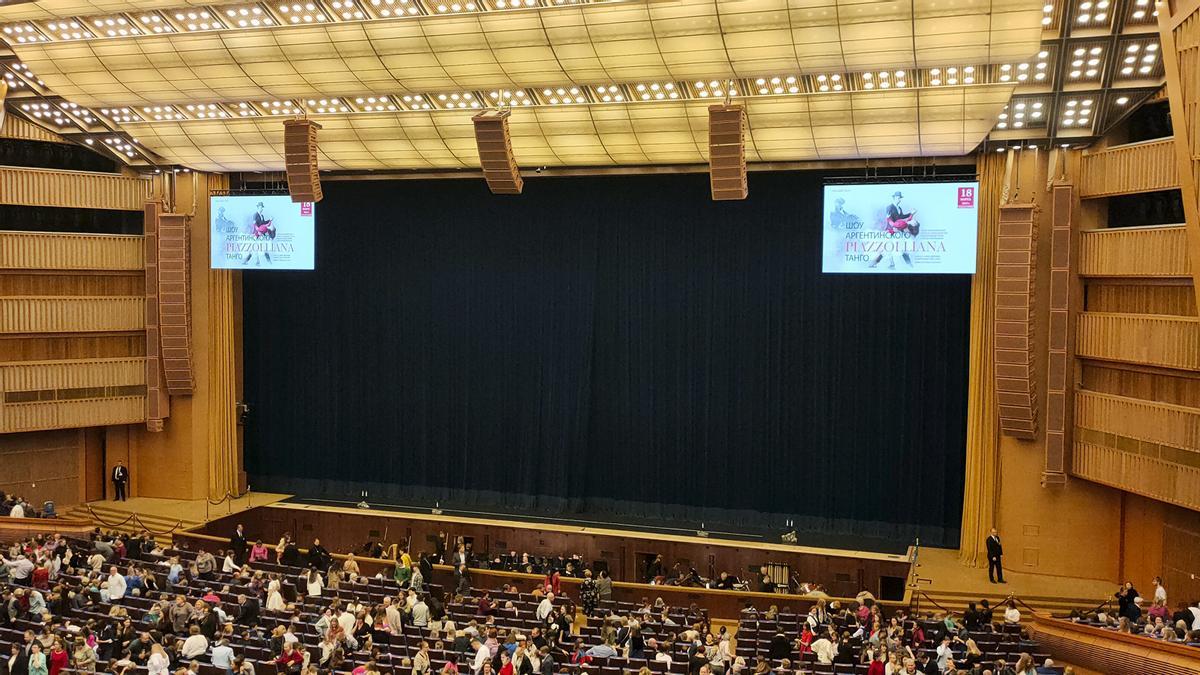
124	605
15	506
864	633
1156	622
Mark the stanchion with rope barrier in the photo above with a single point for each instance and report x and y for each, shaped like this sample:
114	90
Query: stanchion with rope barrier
228	498
133	516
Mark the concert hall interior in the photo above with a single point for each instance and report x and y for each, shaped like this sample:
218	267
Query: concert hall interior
696	335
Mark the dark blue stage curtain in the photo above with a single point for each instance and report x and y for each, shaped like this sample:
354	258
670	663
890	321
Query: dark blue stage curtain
617	347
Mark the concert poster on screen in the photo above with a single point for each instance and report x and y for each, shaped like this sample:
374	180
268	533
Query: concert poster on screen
909	228
261	232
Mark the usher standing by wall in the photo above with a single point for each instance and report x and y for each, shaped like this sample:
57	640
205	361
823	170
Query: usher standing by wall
120	477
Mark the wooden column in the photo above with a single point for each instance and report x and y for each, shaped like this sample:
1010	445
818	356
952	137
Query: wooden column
1060	367
158	401
1179	32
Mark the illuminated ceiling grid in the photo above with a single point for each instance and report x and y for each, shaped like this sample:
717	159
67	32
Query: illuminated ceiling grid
622	41
882	124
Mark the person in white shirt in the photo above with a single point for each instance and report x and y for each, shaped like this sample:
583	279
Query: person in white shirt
229	565
663	656
116	585
346	621
19	569
18	510
420	613
158	664
1195	610
545	607
315	584
222	655
1012	615
195	645
825	649
944	653
1160	593
275	600
482	655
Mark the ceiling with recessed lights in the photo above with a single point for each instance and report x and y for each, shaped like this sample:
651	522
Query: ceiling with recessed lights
591	83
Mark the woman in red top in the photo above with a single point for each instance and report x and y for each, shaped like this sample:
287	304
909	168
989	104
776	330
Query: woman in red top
806	638
290	660
506	667
40	578
59	658
876	667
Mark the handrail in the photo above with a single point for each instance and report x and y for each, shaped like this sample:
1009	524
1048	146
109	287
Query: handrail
228	496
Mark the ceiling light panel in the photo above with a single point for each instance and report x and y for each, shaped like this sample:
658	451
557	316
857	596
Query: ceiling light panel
48	113
789	84
416	102
655	91
302	13
327	106
514	4
1085	61
196	20
1092	14
884	80
154	23
568	95
609	93
203	111
113	26
246	16
80	113
444	7
1139	59
388	9
379	103
244	109
1050	15
1077	113
123	114
1025	112
280	107
1037	70
949	76
1141	13
22	33
162	113
68	29
717	89
464	100
501	97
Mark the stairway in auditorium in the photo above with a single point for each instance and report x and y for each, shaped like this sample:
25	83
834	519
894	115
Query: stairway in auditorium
116	516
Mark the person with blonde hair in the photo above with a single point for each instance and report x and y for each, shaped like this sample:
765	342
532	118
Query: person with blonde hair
158	663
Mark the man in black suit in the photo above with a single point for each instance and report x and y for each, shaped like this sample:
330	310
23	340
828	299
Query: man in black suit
248	610
238	543
20	665
120	476
994	552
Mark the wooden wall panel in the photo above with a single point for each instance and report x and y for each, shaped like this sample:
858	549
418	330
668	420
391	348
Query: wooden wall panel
15	127
1176	300
62	251
119	284
1111	652
1135	252
1179	36
43	465
70	314
1148	166
1016	376
72	189
1182	389
1138	473
72	414
1150	421
39	375
1165	341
